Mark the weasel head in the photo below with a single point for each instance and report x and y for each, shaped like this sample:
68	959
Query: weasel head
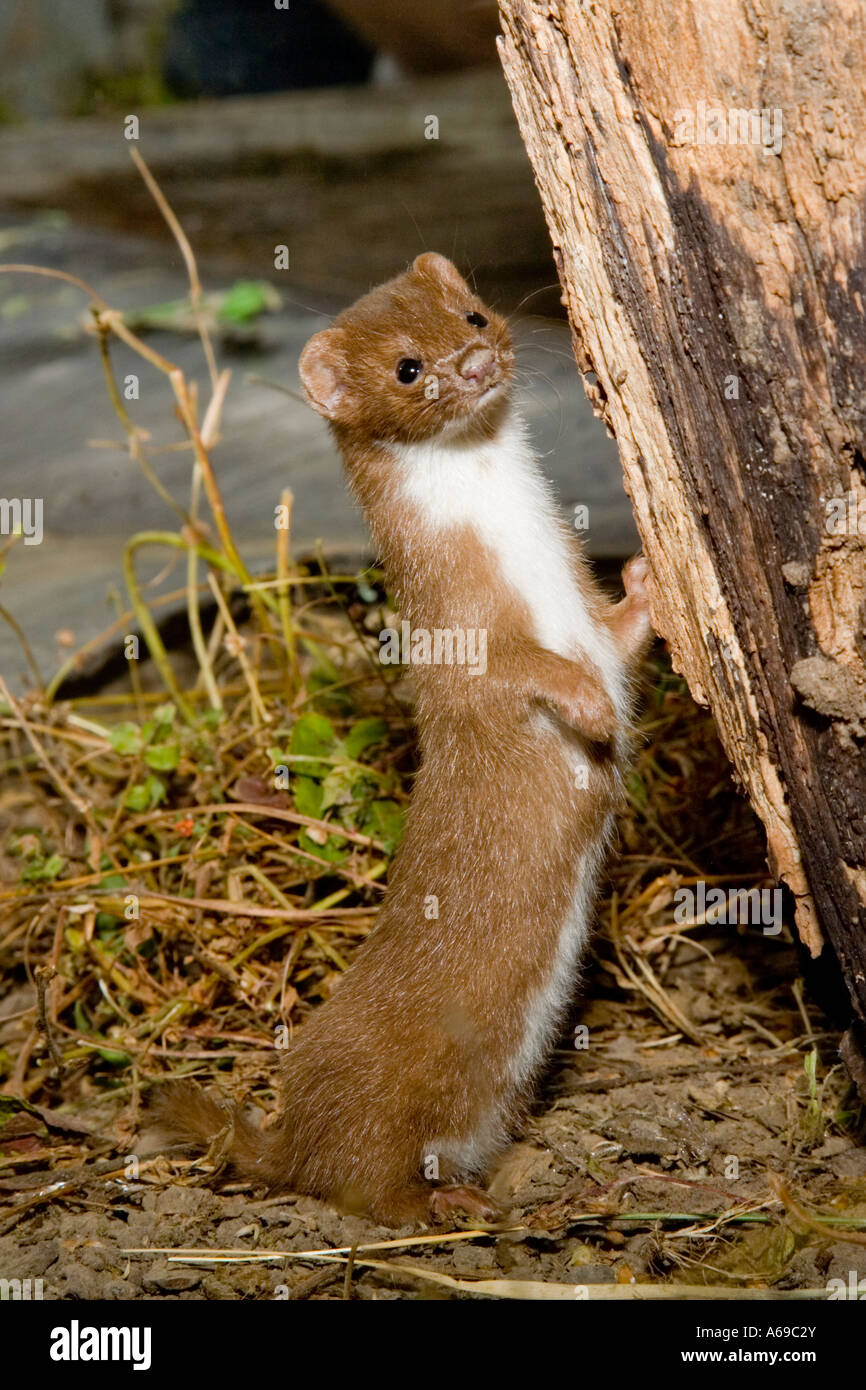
416	358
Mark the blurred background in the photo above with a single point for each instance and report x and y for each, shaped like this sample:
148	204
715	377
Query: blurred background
353	135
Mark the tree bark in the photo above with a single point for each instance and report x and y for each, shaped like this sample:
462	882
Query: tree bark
712	266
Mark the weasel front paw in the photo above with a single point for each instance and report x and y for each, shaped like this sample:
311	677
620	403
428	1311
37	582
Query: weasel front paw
588	709
636	579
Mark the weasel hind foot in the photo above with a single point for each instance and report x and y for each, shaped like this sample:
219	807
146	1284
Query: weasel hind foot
420	1205
472	1201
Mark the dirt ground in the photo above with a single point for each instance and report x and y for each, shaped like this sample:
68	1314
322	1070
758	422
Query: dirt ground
621	1175
695	1126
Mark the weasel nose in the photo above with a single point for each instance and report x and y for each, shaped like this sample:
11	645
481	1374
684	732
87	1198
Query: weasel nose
477	364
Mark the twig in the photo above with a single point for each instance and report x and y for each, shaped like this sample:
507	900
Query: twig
814	1223
133	434
229	905
76	801
44	974
19	269
189	259
283	595
254	808
236	645
261	602
350	1270
25	647
73	662
203	655
148	627
104	1169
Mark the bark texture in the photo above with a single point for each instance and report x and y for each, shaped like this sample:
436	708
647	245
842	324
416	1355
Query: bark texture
712	263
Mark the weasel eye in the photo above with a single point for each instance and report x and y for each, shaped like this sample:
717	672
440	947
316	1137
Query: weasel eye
477	320
409	369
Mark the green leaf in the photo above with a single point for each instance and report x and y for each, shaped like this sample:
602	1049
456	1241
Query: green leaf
160	727
338	786
308	796
349	815
112	882
126	739
43	870
312	736
330	851
323	675
244	301
312	733
384	821
74	939
365	733
114	1059
162	757
144	796
156	790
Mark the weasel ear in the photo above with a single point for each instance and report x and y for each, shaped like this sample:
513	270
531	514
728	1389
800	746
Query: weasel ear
439	268
324	373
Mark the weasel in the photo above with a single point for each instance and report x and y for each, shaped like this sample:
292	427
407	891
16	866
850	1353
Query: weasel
400	1090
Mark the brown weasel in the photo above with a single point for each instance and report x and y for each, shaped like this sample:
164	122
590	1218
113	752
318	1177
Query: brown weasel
408	1081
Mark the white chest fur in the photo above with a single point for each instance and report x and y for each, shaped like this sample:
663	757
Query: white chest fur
498	488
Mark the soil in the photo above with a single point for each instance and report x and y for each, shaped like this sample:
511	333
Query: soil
639	1141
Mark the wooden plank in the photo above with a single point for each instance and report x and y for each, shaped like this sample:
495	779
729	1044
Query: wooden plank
346	178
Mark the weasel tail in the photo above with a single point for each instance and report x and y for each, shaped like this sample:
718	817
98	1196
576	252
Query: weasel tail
187	1114
398	1093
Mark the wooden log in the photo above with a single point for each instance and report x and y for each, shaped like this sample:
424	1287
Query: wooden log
703	173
